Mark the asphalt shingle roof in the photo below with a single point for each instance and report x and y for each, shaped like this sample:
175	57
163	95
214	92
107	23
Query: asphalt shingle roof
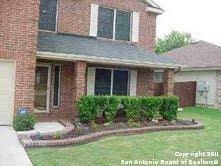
78	45
197	55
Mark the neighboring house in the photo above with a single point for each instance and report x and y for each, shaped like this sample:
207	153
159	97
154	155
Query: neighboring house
52	55
202	62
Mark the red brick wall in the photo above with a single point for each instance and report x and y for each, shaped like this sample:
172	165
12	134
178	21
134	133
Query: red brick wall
145	82
18	38
169	82
74	17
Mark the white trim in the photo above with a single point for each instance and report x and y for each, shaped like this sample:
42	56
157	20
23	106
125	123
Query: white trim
135	26
102	60
154	10
114	24
59	87
133	83
48	88
94	20
91	80
200	69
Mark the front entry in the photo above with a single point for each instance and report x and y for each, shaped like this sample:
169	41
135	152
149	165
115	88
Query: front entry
42	87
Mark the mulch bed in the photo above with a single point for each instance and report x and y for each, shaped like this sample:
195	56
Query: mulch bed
85	129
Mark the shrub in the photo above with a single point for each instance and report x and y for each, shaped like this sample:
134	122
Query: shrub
149	107
24	122
93	107
88	109
168	108
136	108
132	108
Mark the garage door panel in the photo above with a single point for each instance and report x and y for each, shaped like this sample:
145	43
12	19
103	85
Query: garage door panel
6	92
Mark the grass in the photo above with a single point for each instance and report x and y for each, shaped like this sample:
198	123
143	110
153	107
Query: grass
158	145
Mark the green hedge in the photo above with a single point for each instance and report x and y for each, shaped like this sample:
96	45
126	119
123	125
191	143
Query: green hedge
136	108
24	122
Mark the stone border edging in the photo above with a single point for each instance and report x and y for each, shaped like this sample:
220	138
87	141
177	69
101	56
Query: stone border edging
26	141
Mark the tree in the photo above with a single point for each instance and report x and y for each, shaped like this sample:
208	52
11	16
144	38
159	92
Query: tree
172	41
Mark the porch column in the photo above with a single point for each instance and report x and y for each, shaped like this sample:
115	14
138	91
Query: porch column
145	82
79	82
169	82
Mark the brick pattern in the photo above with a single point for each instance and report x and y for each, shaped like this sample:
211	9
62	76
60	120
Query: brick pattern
18	40
74	18
145	82
168	82
26	140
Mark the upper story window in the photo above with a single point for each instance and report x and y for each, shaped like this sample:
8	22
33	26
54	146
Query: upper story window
48	15
114	24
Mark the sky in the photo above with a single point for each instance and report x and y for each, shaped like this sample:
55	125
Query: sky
201	18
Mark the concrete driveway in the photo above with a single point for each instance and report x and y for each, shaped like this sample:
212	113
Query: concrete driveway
12	152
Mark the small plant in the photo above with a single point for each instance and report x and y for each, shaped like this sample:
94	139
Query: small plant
132	123
24	122
57	135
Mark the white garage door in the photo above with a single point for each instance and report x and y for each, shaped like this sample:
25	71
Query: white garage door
6	92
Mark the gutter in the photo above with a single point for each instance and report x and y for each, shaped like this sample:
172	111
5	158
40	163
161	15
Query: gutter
201	68
102	60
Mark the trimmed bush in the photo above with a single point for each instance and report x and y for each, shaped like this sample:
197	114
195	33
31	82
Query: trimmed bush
149	107
137	108
24	122
132	107
94	107
169	107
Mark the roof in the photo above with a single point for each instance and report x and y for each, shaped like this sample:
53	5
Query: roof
200	54
72	46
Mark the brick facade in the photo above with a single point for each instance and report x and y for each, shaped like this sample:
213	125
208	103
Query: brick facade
74	18
168	82
18	39
145	82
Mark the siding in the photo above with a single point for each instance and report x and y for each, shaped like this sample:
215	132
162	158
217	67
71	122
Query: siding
208	76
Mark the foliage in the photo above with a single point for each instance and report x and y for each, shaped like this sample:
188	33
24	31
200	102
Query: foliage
92	107
168	108
136	108
157	145
24	122
172	41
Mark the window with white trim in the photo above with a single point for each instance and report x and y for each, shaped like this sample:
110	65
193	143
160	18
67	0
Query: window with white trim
158	77
111	82
114	24
57	78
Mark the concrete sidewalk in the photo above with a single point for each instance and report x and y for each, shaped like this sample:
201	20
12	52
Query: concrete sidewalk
12	152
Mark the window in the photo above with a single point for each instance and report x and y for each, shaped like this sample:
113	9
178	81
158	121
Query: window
114	24
48	14
57	75
111	82
158	77
105	23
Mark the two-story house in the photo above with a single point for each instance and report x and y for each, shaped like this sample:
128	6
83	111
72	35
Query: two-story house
54	51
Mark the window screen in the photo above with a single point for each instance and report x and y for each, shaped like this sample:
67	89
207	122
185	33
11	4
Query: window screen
158	77
56	85
122	25
120	82
105	22
102	82
47	16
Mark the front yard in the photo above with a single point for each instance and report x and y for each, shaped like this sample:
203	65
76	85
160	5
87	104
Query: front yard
158	146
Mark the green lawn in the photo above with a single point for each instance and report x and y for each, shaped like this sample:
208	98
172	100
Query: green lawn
158	145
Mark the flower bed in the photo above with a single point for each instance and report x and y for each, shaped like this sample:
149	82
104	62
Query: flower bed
84	133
